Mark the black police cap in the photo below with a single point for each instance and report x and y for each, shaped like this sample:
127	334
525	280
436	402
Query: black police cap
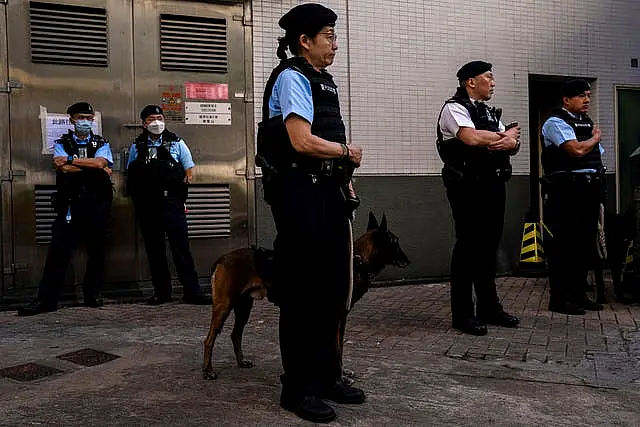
472	69
307	18
80	108
574	87
150	110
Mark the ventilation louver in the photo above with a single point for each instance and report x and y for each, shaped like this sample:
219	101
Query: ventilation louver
191	43
68	35
45	214
209	211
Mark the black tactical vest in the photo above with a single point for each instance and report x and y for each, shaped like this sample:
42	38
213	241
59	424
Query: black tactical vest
90	182
154	170
275	154
556	159
474	162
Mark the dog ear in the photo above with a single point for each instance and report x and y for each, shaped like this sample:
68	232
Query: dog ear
373	222
383	223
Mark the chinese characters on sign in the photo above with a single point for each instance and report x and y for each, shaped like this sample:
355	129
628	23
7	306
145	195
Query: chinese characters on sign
207	91
199	110
171	103
207	113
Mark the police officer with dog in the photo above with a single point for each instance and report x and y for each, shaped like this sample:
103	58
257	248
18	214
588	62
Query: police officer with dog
82	203
573	184
160	168
475	148
307	165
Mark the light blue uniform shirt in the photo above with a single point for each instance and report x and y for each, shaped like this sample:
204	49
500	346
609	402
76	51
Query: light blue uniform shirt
104	151
556	131
291	95
178	150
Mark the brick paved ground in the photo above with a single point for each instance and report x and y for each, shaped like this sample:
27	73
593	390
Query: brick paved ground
553	370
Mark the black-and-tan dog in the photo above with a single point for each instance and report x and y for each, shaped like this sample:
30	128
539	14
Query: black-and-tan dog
243	275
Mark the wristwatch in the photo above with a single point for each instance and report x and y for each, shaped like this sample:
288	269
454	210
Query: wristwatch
69	160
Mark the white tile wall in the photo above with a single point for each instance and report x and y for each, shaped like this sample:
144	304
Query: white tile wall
403	55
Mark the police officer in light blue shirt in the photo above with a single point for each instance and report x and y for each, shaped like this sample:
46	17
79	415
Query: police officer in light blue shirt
574	188
159	170
83	164
306	164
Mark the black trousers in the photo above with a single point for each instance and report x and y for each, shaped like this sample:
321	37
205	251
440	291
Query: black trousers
89	222
478	212
571	211
312	276
157	217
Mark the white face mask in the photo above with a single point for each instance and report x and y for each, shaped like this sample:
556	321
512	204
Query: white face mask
156	127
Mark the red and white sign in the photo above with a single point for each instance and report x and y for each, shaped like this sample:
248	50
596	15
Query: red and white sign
206	90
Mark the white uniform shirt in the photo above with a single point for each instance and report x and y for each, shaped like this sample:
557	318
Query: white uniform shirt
454	116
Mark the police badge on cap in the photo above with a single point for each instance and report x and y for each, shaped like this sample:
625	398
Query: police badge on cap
150	110
80	108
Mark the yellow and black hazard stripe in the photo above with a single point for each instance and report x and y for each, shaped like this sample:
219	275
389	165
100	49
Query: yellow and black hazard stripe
531	250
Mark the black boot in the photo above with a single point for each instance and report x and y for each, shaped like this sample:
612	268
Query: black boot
470	326
342	393
196	299
305	405
565	308
157	300
37	306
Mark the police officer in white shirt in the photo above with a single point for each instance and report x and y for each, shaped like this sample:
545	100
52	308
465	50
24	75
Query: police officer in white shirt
475	149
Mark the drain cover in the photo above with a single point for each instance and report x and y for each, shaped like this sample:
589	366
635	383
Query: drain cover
28	372
88	357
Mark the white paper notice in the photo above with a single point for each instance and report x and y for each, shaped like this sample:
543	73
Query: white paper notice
54	125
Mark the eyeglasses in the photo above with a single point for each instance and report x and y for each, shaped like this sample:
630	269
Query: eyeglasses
332	37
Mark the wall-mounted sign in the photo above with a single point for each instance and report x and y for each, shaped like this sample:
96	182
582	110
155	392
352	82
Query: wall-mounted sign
207	119
171	102
206	91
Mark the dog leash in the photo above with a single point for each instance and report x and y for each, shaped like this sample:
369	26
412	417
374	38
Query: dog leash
350	294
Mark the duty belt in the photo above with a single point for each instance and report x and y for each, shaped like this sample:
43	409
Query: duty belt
321	168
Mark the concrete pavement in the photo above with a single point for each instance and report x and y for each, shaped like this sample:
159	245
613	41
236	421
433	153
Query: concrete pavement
553	370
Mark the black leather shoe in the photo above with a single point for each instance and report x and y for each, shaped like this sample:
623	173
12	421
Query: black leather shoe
37	307
342	393
92	301
589	305
156	300
308	408
197	299
502	318
471	327
566	308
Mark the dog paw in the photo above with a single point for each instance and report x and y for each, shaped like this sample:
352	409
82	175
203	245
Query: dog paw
348	373
348	380
246	364
210	375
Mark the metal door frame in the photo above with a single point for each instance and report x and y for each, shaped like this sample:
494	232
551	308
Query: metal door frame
616	138
6	231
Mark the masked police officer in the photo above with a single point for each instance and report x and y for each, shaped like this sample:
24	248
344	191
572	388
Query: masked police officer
475	149
160	167
306	165
82	203
573	183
